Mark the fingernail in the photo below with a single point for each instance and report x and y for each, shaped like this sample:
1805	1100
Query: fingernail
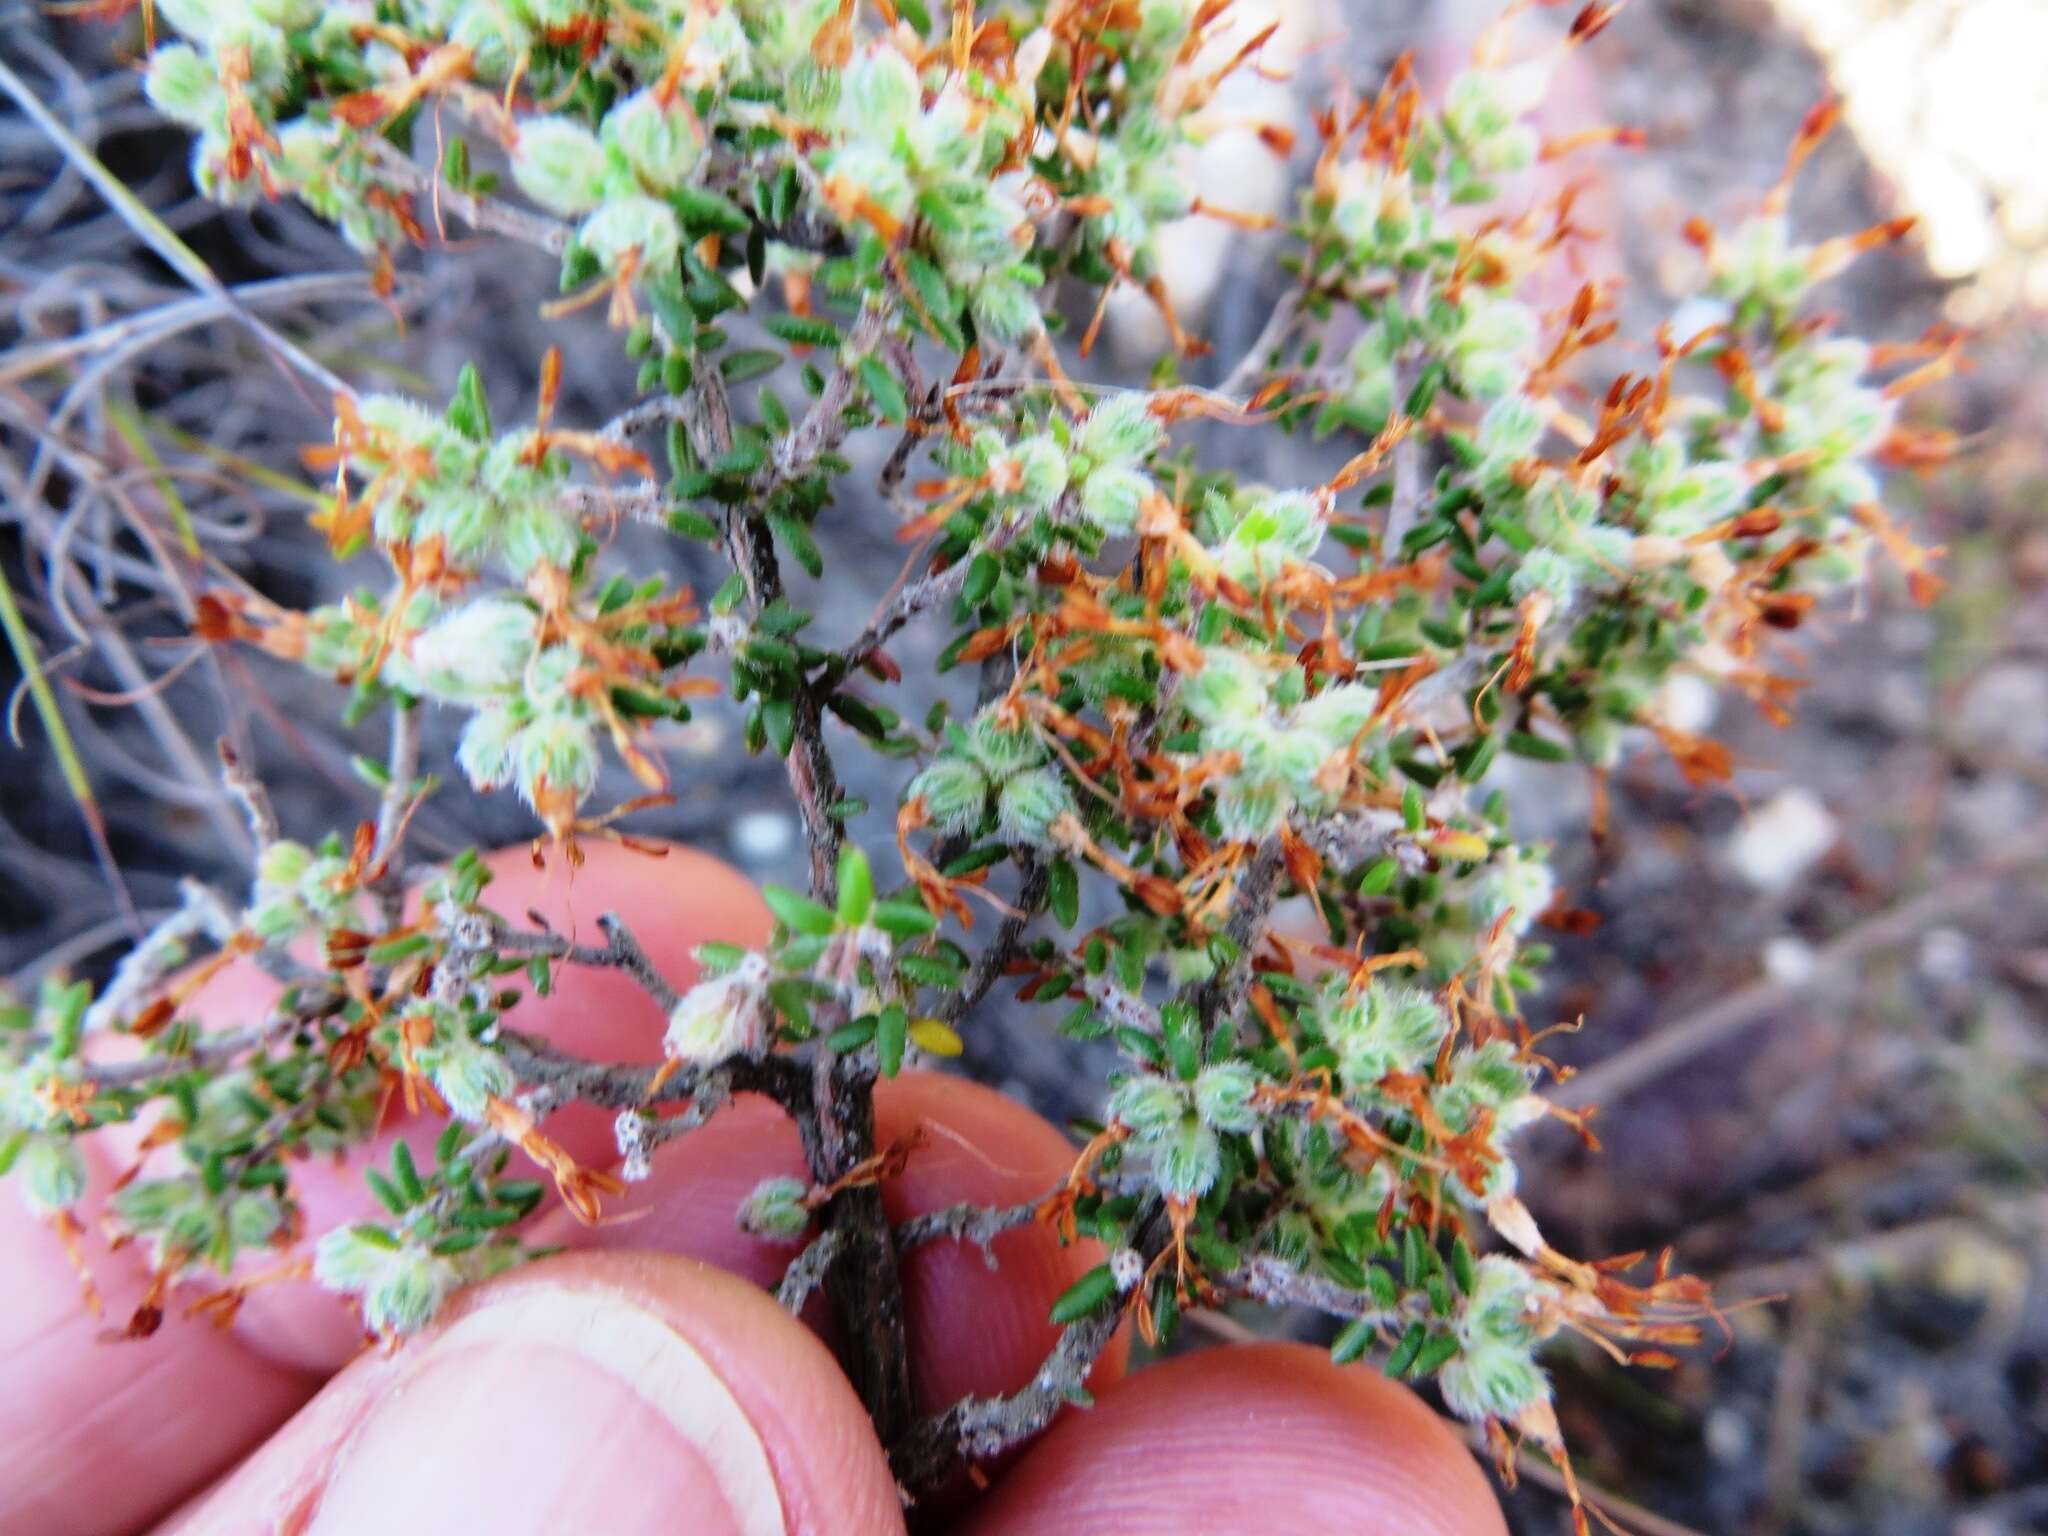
553	1409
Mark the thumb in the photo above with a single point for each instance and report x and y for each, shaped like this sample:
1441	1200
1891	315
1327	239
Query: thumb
627	1393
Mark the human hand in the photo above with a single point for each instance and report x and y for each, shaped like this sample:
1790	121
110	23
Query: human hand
646	1382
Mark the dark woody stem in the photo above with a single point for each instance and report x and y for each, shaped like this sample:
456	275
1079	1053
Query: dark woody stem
836	1119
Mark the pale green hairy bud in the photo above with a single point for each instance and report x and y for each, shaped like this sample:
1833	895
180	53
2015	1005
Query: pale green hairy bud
1371	365
400	1285
877	173
1483	110
1680	498
286	15
283	864
1251	812
878	94
1338	715
466	1074
1042	466
1510	430
775	1210
1030	803
1112	496
1374	202
1006	308
1270	535
199	19
1230	690
1147	1104
659	143
1549	571
558	752
1495	1375
184	87
487	753
955	793
1186	1160
559	164
1493	1079
643	228
1489	351
1120	430
1493	1381
1515	882
1223	1095
495	34
52	1173
1000	750
1383	1029
254	1218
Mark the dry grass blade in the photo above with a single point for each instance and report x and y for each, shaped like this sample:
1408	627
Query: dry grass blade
37	681
158	235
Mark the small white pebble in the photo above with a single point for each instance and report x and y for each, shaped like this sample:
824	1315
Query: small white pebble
762	835
1687	702
1784	838
1728	1436
1788	960
1944	957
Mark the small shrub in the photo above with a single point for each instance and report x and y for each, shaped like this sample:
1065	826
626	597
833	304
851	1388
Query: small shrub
1198	695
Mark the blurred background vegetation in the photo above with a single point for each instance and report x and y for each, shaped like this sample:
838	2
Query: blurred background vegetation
1816	1005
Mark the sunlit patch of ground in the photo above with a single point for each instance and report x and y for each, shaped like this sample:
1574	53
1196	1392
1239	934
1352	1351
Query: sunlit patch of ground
1950	100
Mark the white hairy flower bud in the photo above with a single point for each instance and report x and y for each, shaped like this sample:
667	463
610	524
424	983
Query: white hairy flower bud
643	227
720	1018
479	648
1126	1269
629	1134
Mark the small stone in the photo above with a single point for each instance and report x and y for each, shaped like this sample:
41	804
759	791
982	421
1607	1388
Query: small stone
1788	960
1728	1436
1784	839
1687	702
762	836
1944	957
1902	703
2007	709
1988	811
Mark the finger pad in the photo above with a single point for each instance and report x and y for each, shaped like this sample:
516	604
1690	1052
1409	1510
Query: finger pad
1270	1437
975	1331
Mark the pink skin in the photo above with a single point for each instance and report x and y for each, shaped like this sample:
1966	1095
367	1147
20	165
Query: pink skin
543	1404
